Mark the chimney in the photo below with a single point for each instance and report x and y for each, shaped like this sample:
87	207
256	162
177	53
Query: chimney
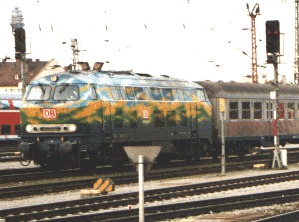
98	66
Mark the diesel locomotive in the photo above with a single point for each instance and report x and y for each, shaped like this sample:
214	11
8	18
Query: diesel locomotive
85	118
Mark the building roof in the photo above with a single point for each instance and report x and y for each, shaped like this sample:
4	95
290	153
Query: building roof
8	70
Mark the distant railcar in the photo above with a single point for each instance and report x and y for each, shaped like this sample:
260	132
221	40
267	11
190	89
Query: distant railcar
249	114
86	118
9	120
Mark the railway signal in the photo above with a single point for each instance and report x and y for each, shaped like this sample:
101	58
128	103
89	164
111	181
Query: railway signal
272	36
20	42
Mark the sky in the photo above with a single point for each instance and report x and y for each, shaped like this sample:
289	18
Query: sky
194	40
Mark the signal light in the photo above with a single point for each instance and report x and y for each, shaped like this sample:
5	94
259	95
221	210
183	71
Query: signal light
20	41
272	36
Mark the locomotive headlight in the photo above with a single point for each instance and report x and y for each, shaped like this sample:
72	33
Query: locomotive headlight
72	128
29	128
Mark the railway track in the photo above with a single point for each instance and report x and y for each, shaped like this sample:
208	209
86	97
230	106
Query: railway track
99	208
130	177
34	174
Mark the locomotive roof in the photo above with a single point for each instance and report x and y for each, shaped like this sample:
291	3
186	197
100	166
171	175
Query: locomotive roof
127	78
244	90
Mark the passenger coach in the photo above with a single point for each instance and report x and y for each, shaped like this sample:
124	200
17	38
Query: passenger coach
85	118
249	114
9	119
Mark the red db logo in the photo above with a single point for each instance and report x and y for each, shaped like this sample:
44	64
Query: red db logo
49	113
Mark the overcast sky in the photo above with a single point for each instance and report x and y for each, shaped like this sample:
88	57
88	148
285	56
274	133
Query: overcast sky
194	40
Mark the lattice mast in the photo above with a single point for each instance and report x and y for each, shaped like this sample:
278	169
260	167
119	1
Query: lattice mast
296	62
254	12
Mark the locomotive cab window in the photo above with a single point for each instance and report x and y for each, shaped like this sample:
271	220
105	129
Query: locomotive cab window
233	111
39	93
66	92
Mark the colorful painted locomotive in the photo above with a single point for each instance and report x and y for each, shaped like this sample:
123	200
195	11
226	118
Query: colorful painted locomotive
86	118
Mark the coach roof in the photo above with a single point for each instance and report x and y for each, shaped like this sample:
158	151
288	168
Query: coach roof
241	90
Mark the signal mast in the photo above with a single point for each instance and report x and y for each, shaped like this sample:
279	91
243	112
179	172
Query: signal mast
254	12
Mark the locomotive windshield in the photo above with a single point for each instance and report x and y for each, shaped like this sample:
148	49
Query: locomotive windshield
66	92
39	93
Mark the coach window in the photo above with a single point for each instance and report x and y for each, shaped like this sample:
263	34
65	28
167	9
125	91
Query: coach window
269	110
201	95
4	105
167	94
93	92
291	110
281	111
246	110
104	92
130	93
5	130
257	113
115	92
233	111
140	95
188	94
155	93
